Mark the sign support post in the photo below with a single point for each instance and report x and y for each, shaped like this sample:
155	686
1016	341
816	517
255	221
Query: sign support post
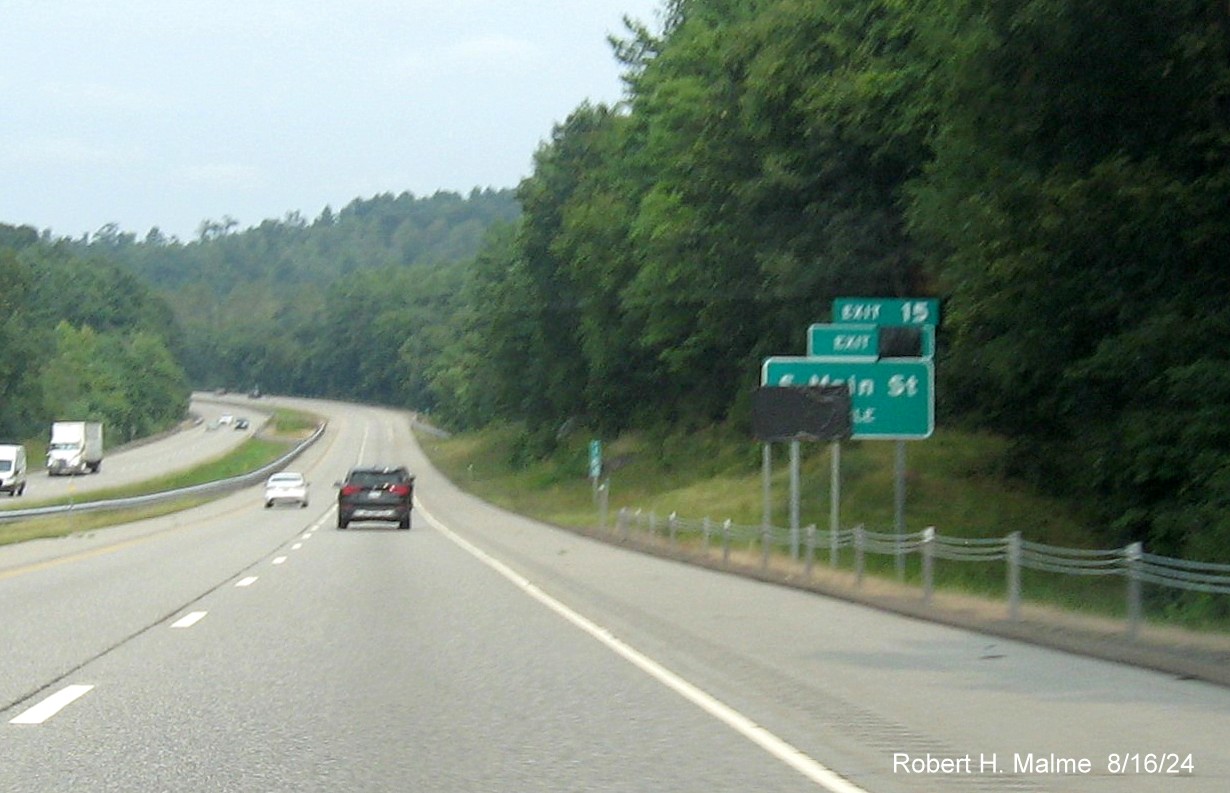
848	312
766	475
794	500
834	500
899	506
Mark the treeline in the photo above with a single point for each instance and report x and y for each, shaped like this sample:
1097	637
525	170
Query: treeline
352	303
1056	171
82	340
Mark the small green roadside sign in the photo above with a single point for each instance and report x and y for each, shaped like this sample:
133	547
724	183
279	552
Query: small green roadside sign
595	459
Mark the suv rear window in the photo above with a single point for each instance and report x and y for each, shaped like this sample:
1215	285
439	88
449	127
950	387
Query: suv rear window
375	479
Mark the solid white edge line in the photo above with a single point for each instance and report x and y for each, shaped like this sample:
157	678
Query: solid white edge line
777	747
51	705
188	620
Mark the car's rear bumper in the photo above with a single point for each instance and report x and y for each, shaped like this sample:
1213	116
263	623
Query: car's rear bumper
374	512
285	498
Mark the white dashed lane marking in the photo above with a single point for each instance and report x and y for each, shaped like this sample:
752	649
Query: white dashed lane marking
66	696
188	620
51	705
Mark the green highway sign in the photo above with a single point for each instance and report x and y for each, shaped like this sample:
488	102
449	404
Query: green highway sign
843	341
887	310
890	399
859	341
595	459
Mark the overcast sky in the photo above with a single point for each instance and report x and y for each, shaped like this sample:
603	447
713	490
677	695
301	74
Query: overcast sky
166	113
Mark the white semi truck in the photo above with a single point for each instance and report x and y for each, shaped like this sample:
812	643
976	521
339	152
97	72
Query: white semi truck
76	448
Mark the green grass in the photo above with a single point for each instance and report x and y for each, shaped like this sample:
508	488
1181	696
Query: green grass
953	482
63	525
283	431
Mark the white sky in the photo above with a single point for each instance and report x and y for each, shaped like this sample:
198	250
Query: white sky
169	112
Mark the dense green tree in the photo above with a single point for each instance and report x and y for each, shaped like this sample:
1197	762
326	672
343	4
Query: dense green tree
253	300
80	337
622	375
778	136
1076	209
20	398
130	382
475	378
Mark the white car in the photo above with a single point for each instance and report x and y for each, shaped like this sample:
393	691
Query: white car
286	487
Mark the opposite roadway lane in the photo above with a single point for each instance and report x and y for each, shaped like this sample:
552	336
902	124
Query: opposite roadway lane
194	443
231	647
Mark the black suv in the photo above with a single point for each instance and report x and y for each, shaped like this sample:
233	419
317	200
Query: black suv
375	493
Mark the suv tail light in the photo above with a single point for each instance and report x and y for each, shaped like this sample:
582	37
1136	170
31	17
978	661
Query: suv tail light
399	490
350	490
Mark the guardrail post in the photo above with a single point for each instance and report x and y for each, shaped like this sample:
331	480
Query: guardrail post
671	525
706	527
810	535
834	544
928	556
859	539
1014	576
1133	553
621	522
726	532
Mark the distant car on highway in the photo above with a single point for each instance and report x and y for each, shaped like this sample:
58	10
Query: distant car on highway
242	424
286	487
380	493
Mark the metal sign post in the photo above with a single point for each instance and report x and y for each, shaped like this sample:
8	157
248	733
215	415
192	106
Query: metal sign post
794	500
766	472
899	505
834	500
794	415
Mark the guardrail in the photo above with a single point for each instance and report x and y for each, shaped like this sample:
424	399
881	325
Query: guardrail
217	486
1130	562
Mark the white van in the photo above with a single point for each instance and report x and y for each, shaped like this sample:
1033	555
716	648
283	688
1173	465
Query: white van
12	469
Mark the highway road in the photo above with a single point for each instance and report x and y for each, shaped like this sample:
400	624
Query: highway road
234	648
192	444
